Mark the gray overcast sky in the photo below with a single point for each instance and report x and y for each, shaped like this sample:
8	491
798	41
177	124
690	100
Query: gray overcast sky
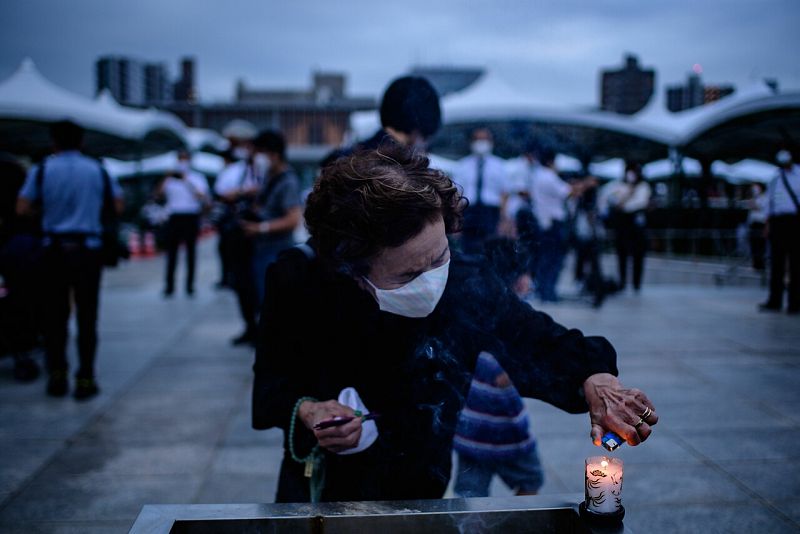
551	49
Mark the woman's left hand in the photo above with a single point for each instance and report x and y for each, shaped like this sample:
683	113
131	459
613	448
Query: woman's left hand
336	438
618	409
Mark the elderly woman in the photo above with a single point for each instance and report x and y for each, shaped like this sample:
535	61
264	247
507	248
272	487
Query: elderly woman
377	316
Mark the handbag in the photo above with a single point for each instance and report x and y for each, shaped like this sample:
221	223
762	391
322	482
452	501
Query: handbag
226	216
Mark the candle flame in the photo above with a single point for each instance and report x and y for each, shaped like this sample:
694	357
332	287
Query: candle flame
604	464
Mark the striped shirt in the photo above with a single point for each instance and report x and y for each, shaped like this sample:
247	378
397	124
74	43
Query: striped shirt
494	423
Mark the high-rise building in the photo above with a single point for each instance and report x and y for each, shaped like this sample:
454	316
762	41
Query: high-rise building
157	85
123	77
694	93
184	88
136	83
628	89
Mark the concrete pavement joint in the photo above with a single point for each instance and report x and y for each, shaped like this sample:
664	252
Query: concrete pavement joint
218	445
732	478
100	412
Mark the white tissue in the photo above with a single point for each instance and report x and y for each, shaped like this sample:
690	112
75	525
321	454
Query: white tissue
369	430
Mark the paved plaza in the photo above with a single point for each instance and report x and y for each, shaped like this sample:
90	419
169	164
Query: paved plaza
172	422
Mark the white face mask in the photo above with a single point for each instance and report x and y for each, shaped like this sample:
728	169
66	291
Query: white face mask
418	298
630	177
184	167
482	147
261	164
783	157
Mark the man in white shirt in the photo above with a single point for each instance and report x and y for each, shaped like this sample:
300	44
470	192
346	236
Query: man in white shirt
521	171
519	206
186	193
783	229
549	195
235	187
239	179
484	180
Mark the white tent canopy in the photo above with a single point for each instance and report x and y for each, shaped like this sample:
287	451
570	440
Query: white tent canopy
489	94
612	169
29	103
492	98
363	124
208	164
240	129
566	163
747	170
664	168
201	139
762	119
688	124
577	132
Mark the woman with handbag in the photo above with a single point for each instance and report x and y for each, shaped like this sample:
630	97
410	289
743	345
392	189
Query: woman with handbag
628	200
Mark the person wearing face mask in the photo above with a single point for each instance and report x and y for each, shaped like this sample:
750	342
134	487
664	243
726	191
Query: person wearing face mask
627	201
485	182
186	193
371	331
277	207
239	188
234	188
783	229
219	215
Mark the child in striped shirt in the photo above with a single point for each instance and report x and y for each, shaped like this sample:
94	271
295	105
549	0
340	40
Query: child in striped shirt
492	436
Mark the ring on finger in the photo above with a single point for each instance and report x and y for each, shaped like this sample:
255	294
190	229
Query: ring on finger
638	423
646	413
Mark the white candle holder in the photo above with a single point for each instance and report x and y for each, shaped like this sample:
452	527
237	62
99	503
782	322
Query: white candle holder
603	485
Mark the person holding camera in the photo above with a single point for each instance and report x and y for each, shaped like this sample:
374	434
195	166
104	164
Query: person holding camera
276	211
262	193
186	193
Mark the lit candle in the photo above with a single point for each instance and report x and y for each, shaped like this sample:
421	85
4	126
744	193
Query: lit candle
603	484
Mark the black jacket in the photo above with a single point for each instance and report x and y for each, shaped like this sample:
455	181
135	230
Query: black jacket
321	333
378	139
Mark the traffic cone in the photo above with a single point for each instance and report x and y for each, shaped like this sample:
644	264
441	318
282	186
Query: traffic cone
149	245
134	245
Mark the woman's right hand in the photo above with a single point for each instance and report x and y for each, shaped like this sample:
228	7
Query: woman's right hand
337	438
